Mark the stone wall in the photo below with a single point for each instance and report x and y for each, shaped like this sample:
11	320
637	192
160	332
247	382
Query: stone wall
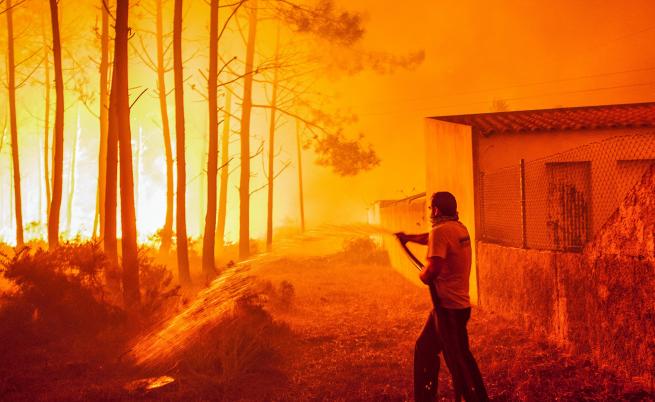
600	302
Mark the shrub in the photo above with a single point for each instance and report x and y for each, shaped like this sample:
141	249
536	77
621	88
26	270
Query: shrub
246	346
75	290
364	250
279	297
158	296
58	291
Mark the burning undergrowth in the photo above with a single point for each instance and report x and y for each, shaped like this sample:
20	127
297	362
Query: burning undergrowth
215	306
235	357
74	292
226	341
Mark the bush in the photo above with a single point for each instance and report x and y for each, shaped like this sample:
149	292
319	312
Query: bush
246	347
58	291
75	290
158	296
279	297
364	250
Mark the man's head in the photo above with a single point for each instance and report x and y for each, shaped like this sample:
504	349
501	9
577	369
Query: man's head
443	204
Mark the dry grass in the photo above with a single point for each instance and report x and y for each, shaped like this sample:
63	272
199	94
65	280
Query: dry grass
337	328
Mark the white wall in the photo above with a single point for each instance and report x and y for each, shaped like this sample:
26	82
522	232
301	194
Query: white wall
449	167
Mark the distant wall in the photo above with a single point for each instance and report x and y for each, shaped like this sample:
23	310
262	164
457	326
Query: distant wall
449	167
407	215
600	302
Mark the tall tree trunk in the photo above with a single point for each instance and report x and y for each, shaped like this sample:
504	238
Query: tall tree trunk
58	134
167	231
111	190
208	240
225	170
119	110
137	172
104	122
202	196
300	192
39	216
111	175
246	109
13	128
12	221
71	178
180	227
271	149
46	130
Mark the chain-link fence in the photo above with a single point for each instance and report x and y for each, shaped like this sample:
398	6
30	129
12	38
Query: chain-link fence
561	201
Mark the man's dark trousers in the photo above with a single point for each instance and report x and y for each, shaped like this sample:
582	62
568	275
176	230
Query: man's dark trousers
447	334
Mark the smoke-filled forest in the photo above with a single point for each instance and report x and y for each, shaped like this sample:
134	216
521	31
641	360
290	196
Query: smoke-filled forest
193	206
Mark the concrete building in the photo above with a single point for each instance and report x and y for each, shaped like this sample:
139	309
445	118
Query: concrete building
558	202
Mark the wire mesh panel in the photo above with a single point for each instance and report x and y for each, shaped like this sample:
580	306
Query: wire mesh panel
567	197
501	206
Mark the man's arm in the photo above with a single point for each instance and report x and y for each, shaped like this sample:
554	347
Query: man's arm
421	238
432	270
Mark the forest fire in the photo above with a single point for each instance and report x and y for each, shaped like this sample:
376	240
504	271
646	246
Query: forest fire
219	298
264	199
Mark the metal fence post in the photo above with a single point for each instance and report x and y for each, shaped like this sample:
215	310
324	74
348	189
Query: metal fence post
523	214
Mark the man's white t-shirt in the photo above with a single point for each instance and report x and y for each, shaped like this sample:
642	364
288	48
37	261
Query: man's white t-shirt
450	240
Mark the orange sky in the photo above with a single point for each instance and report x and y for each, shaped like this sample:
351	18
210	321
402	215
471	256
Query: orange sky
536	54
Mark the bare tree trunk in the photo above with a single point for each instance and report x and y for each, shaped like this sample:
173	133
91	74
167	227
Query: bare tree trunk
13	128
225	170
181	233
12	222
137	172
271	149
58	134
167	231
46	130
246	109
104	121
111	190
39	216
300	192
119	107
71	178
202	196
208	240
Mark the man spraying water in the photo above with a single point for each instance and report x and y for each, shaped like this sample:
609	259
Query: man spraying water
447	273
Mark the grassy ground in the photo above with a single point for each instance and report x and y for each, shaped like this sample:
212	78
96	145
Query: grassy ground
352	331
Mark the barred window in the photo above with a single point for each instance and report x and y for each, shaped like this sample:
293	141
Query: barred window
569	194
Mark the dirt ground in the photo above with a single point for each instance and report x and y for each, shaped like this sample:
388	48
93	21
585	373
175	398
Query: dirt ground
353	329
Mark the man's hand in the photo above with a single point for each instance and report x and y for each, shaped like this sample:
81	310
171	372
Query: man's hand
421	238
425	277
432	270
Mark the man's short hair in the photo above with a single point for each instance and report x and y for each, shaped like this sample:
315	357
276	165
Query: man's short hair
445	202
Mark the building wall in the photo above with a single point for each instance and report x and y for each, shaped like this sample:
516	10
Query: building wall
407	216
599	302
602	172
500	150
449	167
